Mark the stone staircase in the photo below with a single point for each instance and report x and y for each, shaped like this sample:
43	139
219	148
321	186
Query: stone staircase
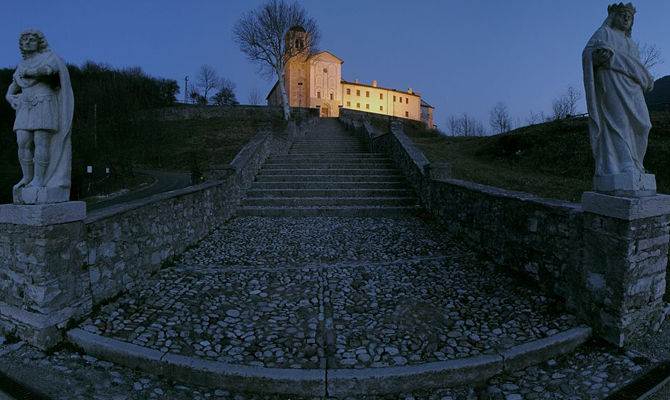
329	172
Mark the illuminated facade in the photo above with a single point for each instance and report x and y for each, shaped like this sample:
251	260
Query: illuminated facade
316	81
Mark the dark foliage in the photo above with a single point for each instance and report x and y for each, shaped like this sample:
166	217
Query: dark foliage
107	102
659	98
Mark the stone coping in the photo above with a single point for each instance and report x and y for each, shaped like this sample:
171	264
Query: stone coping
331	382
106	212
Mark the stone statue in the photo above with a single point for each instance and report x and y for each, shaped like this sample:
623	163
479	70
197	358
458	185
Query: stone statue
614	82
41	94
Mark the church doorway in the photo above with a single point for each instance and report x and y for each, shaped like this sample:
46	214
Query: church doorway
325	110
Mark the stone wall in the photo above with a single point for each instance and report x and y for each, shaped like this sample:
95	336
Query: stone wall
193	111
608	267
55	271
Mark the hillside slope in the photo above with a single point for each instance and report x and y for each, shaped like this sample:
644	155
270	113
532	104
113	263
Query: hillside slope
549	160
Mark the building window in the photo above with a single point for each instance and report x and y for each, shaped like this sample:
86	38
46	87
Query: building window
367	94
348	91
406	114
381	108
400	99
367	106
358	105
394	99
406	100
358	93
318	95
381	96
331	96
348	104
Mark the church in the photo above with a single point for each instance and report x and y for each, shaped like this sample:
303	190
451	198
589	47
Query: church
315	80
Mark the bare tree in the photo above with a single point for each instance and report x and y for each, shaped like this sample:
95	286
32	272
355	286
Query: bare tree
499	119
255	97
650	55
207	81
465	126
566	104
536	118
265	36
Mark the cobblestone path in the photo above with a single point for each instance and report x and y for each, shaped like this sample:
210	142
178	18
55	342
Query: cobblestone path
331	292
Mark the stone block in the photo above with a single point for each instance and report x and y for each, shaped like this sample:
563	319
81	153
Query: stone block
40	195
438	171
42	214
626	184
626	208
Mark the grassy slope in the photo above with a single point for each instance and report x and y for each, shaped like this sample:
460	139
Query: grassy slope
549	160
211	141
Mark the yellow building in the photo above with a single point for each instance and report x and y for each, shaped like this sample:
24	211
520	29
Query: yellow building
316	81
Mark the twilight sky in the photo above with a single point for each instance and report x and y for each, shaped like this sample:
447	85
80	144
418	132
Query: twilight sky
461	56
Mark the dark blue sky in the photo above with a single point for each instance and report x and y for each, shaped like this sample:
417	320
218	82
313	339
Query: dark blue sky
461	56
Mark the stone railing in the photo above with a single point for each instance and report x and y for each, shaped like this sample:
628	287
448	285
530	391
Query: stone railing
56	263
605	257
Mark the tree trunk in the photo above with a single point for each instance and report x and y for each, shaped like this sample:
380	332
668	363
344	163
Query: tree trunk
284	98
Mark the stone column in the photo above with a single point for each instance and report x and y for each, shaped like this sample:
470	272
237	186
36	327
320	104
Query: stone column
621	287
44	279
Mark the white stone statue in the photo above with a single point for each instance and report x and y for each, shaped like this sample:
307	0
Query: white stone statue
41	94
614	82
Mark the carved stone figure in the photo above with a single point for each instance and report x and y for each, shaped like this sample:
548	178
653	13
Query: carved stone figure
614	82
41	94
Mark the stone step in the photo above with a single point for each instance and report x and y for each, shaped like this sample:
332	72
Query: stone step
338	171
330	165
329	178
329	140
318	156
329	185
327	201
342	211
324	192
329	148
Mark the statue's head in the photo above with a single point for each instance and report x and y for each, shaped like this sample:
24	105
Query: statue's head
620	16
32	41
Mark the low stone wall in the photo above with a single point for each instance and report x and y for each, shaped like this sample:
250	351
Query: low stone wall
194	111
54	271
609	267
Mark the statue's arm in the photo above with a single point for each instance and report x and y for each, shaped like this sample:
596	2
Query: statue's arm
601	57
40	71
12	93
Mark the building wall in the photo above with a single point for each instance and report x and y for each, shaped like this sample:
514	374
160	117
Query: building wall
427	117
317	82
380	100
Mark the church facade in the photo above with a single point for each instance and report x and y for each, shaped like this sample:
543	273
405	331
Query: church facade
316	81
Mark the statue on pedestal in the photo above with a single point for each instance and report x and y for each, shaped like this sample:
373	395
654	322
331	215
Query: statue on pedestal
41	94
614	80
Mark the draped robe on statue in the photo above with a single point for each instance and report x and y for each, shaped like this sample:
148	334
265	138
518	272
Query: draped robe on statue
618	117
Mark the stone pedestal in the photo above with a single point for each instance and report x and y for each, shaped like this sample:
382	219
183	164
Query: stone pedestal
626	184
43	274
40	195
622	282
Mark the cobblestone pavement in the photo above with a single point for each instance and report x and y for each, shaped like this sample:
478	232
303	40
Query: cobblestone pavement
342	292
335	292
592	372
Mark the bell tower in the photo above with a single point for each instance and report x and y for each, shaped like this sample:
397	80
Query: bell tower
296	41
296	78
